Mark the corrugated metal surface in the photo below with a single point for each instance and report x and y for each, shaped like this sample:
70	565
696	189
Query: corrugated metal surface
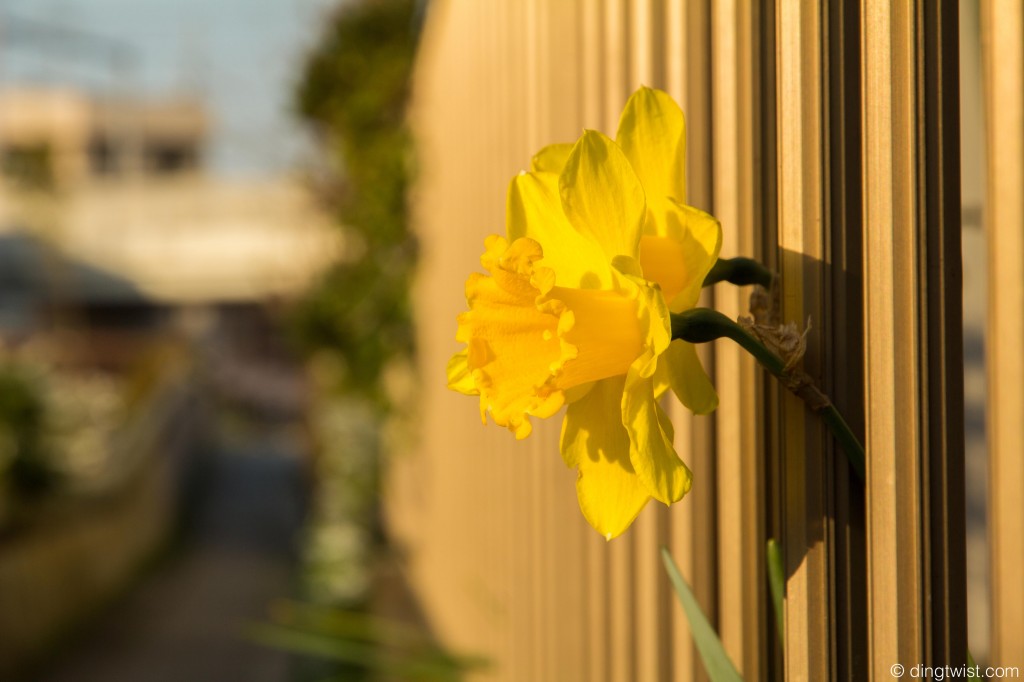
1003	54
498	551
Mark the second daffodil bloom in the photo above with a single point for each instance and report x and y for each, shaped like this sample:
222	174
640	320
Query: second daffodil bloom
575	309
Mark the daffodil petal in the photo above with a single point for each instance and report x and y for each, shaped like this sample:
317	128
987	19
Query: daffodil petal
681	368
610	495
699	237
459	377
662	220
552	158
601	195
653	315
652	134
534	210
654	459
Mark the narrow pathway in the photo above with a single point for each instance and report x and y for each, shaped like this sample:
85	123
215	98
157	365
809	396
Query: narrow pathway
184	622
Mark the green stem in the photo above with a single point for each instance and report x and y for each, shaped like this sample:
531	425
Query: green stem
846	437
739	271
701	325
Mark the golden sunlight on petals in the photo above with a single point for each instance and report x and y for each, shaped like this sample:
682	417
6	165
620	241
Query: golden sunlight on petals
534	210
610	495
459	377
681	369
606	334
699	239
601	195
552	158
528	342
652	134
679	246
512	345
660	258
654	458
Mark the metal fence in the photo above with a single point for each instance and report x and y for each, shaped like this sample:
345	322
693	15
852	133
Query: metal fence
825	138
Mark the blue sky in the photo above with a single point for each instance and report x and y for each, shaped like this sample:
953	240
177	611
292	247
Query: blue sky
241	56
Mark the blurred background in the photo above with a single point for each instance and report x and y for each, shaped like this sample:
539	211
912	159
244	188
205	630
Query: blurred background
198	364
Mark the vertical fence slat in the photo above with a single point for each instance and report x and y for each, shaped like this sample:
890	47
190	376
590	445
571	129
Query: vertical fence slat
941	355
740	455
692	534
843	329
896	581
801	256
1003	53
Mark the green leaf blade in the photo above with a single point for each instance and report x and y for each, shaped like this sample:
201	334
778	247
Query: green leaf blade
716	661
777	584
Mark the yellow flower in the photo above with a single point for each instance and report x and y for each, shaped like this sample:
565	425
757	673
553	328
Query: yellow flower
575	309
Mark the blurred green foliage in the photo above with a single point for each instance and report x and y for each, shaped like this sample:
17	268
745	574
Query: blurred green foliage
357	326
353	94
24	459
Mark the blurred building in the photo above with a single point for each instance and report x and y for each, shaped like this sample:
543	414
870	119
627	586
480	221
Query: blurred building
64	138
114	214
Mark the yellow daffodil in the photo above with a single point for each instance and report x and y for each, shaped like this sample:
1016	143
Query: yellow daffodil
575	310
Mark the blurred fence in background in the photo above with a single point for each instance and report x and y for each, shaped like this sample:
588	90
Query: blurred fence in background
826	140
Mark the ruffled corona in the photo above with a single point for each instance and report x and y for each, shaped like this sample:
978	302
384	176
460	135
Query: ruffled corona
513	346
529	341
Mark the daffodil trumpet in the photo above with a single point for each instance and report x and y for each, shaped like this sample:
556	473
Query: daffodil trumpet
701	325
